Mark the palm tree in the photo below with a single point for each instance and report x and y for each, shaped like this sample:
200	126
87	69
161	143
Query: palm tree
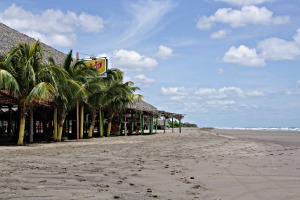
72	89
23	76
118	95
96	90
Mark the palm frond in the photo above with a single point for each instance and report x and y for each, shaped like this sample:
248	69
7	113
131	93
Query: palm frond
8	82
41	92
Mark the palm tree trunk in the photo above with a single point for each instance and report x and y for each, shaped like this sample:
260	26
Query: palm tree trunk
55	124
22	125
31	126
120	125
109	124
60	128
61	121
77	120
125	127
101	123
81	121
91	129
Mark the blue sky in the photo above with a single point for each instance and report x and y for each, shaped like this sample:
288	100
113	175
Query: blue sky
223	63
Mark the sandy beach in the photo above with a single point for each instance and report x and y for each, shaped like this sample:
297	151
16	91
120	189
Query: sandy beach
195	164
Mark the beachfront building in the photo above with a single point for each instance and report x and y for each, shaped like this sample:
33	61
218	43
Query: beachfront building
55	117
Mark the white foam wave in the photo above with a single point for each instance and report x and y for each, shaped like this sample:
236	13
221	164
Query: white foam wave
262	128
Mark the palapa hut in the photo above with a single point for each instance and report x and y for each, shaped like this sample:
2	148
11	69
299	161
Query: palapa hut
146	113
8	108
141	113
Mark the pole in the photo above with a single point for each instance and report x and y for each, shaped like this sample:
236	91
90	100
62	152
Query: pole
100	124
142	124
120	124
31	126
132	123
77	109
156	125
81	121
180	126
151	125
164	124
172	124
102	118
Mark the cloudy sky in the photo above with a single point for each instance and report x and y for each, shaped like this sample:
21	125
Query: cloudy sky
223	63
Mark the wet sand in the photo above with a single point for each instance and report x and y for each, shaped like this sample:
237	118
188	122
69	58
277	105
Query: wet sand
287	138
196	164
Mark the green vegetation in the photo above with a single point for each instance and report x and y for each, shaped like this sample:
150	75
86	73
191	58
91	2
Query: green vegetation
25	77
176	124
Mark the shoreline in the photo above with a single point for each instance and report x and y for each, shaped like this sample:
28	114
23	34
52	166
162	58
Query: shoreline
194	164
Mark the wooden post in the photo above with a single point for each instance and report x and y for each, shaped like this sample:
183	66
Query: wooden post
156	125
77	109
81	121
132	123
151	125
102	117
172	124
125	126
179	125
141	121
164	124
101	124
120	125
9	121
55	124
31	126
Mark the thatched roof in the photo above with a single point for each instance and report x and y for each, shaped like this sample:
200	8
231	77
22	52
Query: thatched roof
10	37
170	115
143	106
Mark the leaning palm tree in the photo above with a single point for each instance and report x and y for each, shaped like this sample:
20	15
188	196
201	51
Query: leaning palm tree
22	75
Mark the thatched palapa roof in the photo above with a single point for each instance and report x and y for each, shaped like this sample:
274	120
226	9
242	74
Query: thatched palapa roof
10	37
143	106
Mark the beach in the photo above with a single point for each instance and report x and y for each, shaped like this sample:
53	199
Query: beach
194	164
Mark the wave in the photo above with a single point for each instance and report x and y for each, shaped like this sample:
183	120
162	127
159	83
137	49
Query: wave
262	128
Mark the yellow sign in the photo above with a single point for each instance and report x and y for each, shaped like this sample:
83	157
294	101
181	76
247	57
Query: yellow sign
100	65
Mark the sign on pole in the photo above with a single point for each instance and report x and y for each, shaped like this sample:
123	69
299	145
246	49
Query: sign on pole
100	65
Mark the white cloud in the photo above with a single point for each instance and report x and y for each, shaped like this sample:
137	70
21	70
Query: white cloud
231	92
145	20
53	27
243	56
245	2
220	70
278	49
54	39
238	18
220	102
297	36
143	80
132	60
205	99
91	23
219	34
268	49
206	92
255	93
164	52
173	90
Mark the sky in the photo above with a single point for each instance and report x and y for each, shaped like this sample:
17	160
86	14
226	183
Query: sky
223	63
